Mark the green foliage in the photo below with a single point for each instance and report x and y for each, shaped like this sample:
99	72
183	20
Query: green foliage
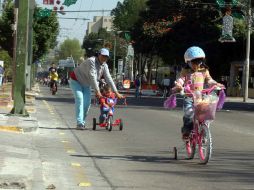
70	47
4	56
6	31
45	33
127	13
190	23
95	41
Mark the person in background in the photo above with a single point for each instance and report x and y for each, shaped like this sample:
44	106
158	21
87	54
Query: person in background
165	85
1	75
53	75
224	82
137	84
85	76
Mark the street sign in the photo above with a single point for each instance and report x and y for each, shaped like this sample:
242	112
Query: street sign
66	63
120	66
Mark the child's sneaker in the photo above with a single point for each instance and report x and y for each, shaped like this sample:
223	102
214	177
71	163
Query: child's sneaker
186	130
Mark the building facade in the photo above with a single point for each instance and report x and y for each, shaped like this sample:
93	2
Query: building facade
98	23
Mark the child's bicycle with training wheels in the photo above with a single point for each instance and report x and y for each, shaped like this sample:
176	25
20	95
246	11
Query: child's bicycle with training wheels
109	121
205	104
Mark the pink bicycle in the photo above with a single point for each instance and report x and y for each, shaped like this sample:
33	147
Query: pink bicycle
205	105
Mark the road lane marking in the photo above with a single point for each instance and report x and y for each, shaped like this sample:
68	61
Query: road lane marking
75	164
71	151
84	184
81	177
11	129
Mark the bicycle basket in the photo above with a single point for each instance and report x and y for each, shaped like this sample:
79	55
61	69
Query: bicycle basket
205	108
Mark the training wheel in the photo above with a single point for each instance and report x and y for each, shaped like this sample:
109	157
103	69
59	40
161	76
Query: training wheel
94	124
175	153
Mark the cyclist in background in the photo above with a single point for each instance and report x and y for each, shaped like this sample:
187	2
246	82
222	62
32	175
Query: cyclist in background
165	86
53	78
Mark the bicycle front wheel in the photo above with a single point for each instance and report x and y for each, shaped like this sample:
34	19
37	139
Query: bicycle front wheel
205	143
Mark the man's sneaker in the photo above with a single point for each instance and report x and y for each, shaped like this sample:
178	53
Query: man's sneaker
80	127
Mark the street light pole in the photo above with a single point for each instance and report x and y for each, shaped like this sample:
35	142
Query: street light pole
114	63
247	60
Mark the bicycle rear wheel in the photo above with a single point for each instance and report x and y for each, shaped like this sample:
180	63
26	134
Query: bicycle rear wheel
205	143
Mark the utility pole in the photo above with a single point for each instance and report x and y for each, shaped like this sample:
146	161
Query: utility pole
29	65
247	60
21	57
114	63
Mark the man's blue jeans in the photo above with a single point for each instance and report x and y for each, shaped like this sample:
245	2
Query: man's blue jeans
82	95
1	79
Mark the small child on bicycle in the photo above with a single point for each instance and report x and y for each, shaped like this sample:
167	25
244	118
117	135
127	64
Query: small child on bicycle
196	75
107	102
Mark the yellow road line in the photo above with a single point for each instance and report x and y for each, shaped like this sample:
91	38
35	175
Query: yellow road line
75	164
71	151
84	184
81	177
11	129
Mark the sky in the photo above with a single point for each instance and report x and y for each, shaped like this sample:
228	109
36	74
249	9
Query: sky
74	28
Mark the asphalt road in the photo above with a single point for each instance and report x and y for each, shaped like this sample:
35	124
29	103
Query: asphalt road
140	157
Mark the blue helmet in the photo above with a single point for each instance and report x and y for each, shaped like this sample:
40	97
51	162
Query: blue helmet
193	52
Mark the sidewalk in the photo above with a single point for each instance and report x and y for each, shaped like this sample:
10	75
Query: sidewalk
17	123
19	159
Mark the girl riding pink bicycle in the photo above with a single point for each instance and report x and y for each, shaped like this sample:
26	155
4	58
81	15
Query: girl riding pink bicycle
200	103
196	75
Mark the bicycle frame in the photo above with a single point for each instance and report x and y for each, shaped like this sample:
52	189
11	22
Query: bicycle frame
200	134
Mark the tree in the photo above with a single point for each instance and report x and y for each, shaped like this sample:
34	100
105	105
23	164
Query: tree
6	31
168	27
127	13
4	56
95	41
70	48
45	33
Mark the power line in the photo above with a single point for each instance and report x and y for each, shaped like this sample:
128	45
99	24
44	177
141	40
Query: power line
74	18
85	11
